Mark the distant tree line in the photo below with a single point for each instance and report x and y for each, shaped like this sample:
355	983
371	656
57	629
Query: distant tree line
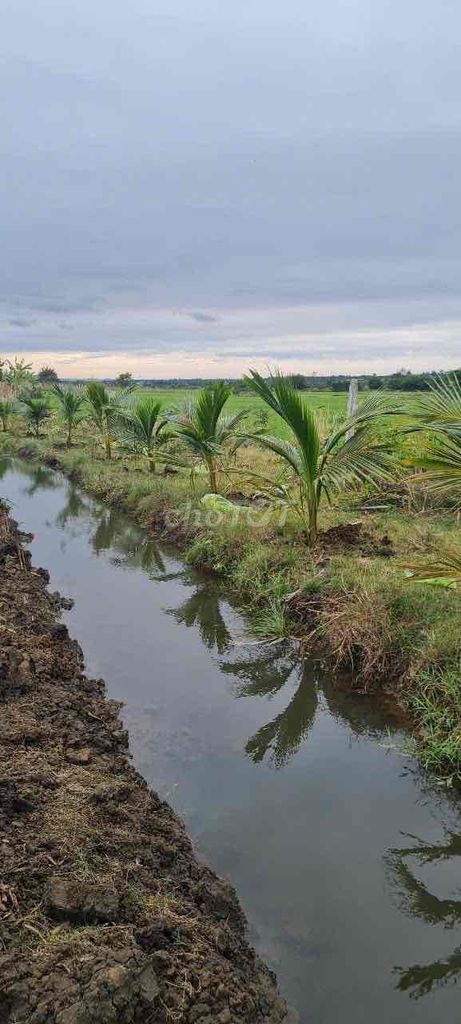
403	380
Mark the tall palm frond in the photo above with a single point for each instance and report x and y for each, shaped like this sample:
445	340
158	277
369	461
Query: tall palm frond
353	453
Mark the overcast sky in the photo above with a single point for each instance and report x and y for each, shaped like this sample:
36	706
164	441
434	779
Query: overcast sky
193	186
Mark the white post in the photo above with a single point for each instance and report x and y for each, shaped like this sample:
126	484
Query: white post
351	404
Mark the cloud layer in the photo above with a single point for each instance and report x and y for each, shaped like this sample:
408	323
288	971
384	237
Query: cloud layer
200	185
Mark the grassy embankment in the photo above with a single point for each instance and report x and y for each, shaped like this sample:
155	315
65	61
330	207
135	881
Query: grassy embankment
399	637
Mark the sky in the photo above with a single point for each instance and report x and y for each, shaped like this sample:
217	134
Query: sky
192	187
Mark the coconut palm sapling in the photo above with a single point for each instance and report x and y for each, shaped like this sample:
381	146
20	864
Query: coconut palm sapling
71	404
205	432
352	453
146	427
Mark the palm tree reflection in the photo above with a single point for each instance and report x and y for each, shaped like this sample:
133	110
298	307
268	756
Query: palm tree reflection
41	479
283	736
132	547
203	610
264	675
73	508
416	900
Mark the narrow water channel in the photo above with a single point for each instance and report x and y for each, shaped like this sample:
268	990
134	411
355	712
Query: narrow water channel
345	859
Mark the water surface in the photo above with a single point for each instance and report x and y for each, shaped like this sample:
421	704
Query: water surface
345	859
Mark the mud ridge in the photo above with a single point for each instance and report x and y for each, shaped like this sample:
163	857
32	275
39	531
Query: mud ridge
106	915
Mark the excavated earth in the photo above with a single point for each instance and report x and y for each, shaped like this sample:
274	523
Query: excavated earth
106	915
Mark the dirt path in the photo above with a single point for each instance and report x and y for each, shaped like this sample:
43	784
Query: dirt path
105	913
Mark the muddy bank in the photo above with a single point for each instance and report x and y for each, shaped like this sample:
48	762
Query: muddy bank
105	913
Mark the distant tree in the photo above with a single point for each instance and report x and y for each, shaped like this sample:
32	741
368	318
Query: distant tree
375	383
18	374
47	375
124	380
298	381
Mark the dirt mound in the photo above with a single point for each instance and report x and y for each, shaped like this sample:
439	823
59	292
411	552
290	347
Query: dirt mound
106	916
354	535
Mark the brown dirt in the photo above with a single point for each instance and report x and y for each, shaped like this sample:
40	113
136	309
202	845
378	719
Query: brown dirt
106	916
356	536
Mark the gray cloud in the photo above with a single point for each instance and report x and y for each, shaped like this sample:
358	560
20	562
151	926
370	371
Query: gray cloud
246	159
204	318
22	321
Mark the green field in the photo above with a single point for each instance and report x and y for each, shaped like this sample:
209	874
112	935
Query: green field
330	404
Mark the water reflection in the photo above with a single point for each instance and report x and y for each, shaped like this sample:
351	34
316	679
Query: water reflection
339	927
264	675
113	532
203	610
416	899
280	739
73	508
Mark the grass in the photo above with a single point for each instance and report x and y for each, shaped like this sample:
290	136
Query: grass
327	403
396	636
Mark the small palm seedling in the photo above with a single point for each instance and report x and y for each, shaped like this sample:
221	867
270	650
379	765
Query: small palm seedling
106	410
206	433
7	407
71	408
320	467
146	428
36	411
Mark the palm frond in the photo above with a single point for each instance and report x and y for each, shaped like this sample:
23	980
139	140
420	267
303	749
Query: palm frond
444	570
374	405
209	406
287	452
440	408
362	459
441	461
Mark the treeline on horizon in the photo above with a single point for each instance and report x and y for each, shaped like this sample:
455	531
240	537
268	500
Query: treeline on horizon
403	380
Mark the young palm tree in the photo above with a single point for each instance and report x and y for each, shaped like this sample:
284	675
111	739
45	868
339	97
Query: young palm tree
36	410
205	431
106	409
146	427
71	408
7	407
322	467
